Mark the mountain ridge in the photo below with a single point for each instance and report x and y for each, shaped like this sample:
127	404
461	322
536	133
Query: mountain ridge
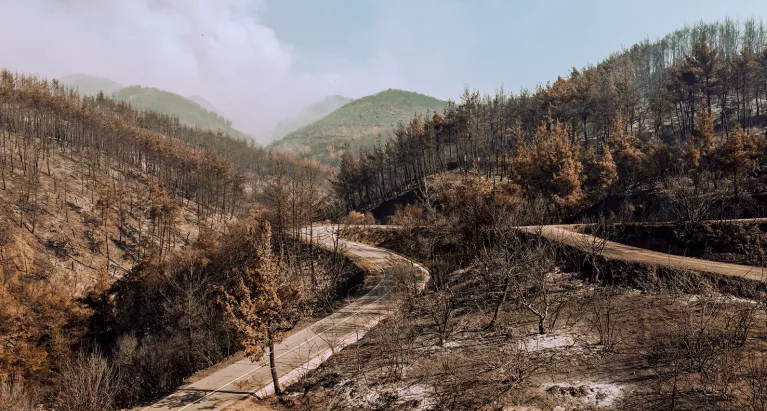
90	85
194	110
357	124
309	115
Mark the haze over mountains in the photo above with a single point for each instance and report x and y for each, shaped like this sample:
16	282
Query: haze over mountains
357	124
187	110
319	132
207	105
309	115
91	85
194	110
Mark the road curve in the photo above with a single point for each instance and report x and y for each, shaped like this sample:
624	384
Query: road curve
307	348
566	235
569	234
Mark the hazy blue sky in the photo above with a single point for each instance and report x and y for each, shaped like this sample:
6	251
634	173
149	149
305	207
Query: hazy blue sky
260	61
440	46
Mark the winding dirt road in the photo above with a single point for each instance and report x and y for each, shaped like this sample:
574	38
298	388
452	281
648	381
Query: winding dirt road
307	348
567	235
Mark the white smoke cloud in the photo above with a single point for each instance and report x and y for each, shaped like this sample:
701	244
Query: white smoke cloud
213	48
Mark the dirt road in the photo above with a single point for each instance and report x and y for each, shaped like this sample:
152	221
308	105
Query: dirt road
616	251
307	348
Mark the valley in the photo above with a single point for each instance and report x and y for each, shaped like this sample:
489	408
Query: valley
594	243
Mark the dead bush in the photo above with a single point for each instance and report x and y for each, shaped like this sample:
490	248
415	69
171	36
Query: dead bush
6	233
705	343
397	341
16	395
451	385
756	384
441	308
532	288
357	218
691	202
474	377
739	323
408	216
720	375
512	363
699	335
603	317
407	281
666	360
87	383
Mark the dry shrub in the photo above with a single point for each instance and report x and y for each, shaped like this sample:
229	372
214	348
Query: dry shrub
710	328
667	362
656	279
357	218
6	233
38	321
712	337
603	317
474	377
16	395
721	373
397	342
407	282
352	227
756	384
690	202
453	385
87	383
408	216
705	343
440	307
512	363
154	367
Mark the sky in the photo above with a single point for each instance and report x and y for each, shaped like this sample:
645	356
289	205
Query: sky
260	61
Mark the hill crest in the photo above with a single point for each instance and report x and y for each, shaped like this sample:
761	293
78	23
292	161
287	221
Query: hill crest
91	85
358	124
309	115
187	110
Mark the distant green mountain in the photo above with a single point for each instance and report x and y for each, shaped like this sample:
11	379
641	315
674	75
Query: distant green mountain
187	111
204	103
194	110
309	115
357	123
91	85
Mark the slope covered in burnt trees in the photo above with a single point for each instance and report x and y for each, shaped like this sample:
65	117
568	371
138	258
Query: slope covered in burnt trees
99	201
681	118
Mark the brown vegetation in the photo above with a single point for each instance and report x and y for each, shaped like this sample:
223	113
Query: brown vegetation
507	322
135	250
652	119
109	217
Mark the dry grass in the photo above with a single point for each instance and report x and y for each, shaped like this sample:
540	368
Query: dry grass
400	364
68	243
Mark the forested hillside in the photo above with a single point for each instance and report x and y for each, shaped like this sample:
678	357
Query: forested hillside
193	110
138	247
187	111
681	116
309	115
90	85
117	227
207	105
657	146
356	124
